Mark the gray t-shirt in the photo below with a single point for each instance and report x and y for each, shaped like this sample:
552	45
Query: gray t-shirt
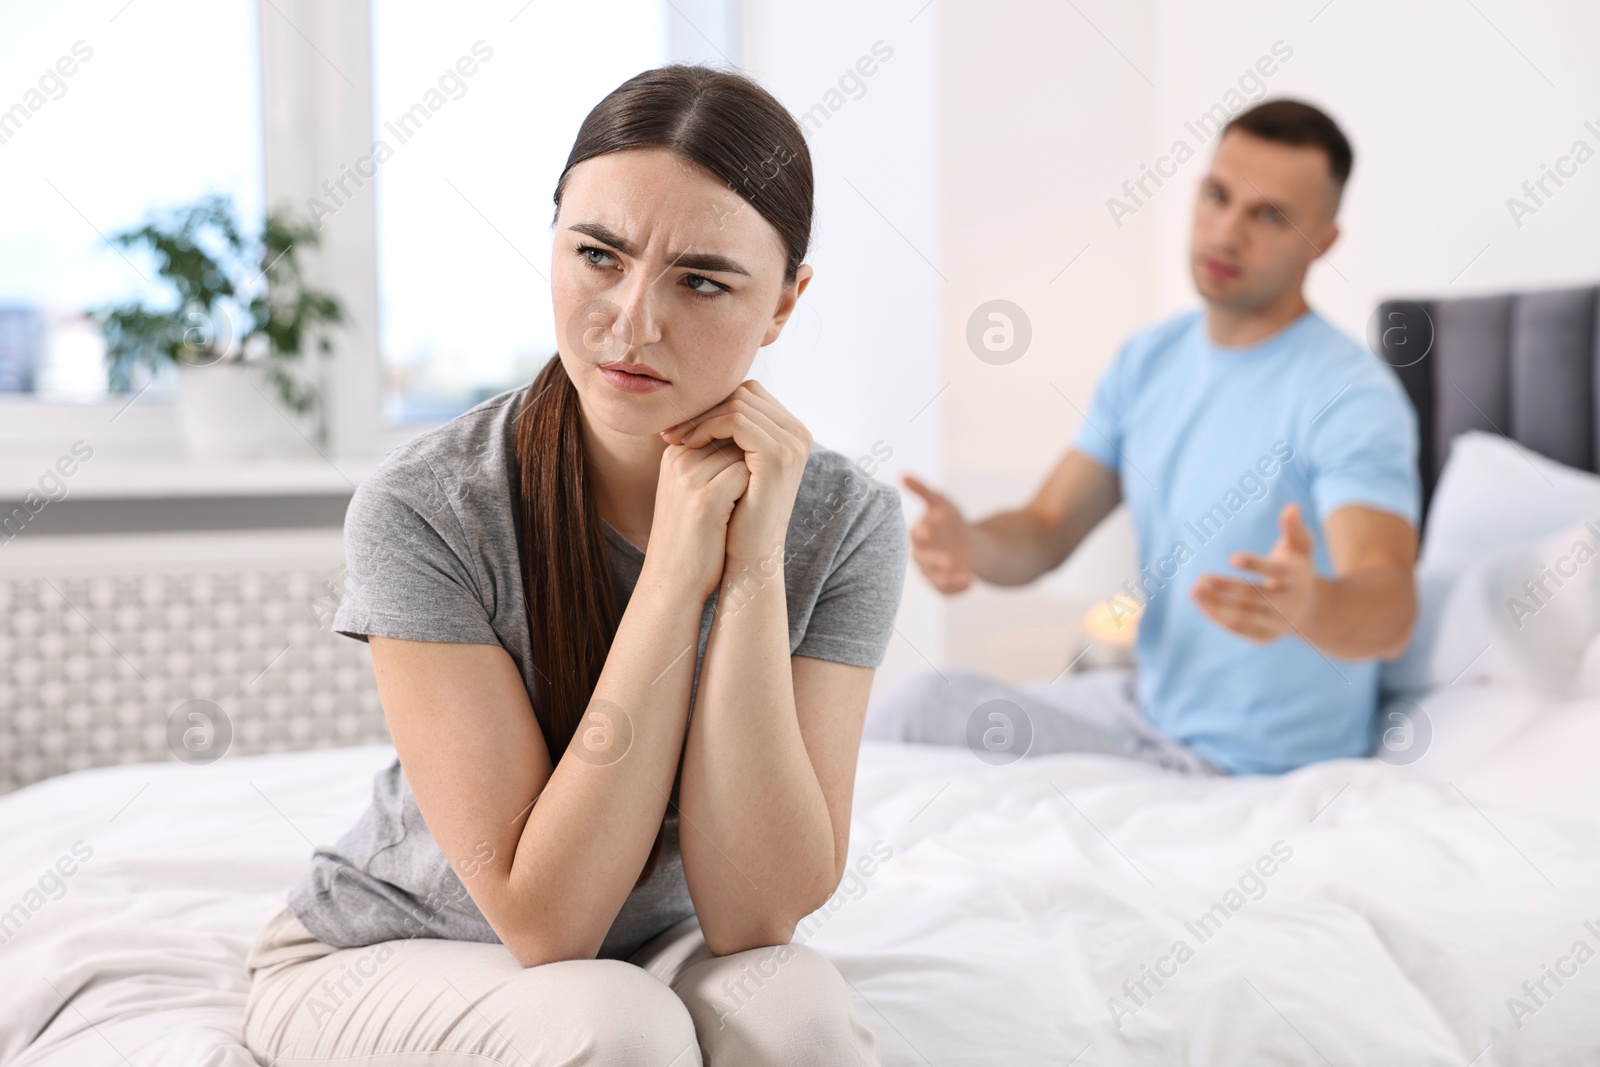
430	542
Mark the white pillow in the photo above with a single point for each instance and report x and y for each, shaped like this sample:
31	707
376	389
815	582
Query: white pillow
1494	493
1527	615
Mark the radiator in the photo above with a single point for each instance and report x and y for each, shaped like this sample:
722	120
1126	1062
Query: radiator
193	647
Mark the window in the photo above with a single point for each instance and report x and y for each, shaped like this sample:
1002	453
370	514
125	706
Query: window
478	114
165	105
109	112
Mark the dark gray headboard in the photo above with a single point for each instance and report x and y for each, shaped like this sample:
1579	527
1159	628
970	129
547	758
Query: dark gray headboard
1522	365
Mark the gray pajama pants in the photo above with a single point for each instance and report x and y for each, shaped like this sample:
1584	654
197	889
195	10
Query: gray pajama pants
1094	711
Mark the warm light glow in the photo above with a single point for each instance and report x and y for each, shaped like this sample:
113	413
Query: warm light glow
1112	622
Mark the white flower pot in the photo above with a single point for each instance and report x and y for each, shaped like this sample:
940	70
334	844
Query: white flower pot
231	410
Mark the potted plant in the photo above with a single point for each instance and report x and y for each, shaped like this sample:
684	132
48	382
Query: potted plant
241	318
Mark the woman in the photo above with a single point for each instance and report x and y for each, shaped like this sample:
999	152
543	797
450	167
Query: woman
532	578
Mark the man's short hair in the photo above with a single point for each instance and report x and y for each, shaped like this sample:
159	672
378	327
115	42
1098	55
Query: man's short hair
1295	123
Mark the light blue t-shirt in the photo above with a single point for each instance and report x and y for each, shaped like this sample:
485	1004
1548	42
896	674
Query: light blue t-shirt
1209	444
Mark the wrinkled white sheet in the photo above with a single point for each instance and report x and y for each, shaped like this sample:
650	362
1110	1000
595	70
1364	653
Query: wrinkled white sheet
1017	902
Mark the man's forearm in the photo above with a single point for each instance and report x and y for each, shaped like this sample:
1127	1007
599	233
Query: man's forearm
1012	548
1365	615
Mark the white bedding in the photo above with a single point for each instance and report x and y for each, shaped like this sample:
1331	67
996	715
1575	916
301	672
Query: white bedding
1019	899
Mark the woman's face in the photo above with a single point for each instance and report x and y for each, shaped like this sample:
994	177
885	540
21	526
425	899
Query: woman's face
665	283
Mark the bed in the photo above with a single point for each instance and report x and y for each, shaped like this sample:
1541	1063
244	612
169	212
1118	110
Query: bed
1439	904
1016	902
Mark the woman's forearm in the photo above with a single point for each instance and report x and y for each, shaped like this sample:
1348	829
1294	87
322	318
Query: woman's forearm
592	827
757	841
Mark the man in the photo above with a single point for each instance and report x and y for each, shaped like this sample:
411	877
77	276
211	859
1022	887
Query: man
1269	462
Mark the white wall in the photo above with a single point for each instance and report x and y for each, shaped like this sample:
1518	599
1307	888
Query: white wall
858	362
1041	113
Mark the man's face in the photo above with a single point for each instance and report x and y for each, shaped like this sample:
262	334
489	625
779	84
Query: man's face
1264	213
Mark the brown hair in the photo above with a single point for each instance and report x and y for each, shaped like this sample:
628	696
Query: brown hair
734	130
1294	123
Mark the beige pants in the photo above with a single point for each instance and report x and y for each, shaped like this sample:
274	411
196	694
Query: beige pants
426	1001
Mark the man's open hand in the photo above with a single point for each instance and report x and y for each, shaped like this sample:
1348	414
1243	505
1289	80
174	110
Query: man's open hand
1265	611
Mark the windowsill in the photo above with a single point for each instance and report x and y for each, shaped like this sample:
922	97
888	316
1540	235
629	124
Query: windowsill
139	453
109	477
